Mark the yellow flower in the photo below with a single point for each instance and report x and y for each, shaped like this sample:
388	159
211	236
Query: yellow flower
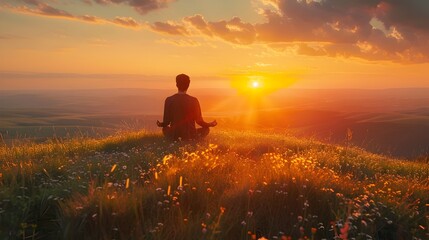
127	184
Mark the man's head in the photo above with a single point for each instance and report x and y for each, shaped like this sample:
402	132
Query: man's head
182	82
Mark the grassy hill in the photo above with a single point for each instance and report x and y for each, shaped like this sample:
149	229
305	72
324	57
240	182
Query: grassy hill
233	185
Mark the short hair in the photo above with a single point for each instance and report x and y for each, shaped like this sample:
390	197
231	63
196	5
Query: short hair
182	82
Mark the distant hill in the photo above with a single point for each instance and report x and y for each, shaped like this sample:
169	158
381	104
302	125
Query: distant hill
390	121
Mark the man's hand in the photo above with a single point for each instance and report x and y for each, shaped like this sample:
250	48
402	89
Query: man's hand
213	124
158	123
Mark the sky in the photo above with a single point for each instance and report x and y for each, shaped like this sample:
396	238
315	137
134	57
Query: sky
78	44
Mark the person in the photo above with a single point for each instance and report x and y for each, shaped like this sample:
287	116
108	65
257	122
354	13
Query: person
181	112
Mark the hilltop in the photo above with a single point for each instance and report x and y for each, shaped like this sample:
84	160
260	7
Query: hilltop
233	185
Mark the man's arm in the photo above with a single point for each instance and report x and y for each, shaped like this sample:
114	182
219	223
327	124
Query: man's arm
199	118
167	115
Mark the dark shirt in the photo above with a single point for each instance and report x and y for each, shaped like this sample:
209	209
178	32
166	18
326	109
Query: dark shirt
181	112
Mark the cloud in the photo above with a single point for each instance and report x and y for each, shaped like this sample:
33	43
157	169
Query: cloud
169	28
42	9
392	30
126	22
141	6
234	30
369	29
181	42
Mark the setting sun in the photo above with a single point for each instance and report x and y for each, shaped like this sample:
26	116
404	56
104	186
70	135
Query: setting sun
255	84
261	83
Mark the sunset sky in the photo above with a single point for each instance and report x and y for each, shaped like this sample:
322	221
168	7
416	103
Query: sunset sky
145	43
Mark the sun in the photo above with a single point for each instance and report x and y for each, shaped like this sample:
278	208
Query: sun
256	84
260	84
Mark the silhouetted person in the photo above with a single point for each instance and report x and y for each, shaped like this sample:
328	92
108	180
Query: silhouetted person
181	112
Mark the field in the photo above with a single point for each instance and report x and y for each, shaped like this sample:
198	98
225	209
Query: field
233	185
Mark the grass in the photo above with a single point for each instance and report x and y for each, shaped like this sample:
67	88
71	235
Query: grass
233	185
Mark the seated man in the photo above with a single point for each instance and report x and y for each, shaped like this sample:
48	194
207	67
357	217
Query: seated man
181	112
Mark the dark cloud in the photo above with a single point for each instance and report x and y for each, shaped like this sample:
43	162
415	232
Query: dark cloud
141	6
348	26
411	13
169	28
394	30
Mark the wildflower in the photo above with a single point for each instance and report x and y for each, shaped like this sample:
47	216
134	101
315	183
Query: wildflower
124	167
222	210
127	184
243	223
204	230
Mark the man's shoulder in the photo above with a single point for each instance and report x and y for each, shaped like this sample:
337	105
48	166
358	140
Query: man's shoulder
180	96
171	98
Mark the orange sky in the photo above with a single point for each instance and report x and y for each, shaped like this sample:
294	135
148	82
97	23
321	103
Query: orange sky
145	43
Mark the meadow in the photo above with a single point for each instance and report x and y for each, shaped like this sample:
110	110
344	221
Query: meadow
233	185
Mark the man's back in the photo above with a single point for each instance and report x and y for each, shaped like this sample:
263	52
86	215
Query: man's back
181	111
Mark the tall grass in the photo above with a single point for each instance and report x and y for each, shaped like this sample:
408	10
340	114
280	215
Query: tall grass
233	185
